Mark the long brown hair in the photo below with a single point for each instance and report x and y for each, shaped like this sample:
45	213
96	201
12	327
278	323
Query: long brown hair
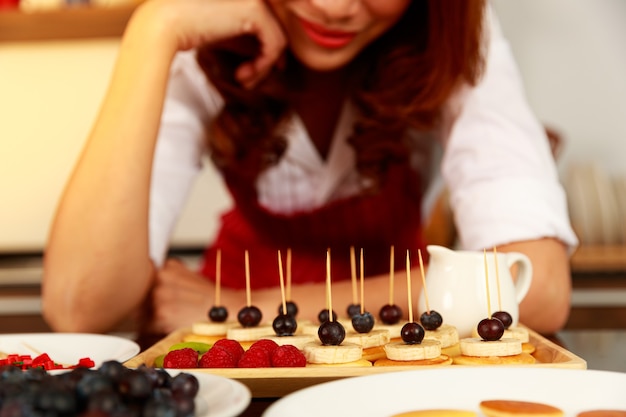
400	81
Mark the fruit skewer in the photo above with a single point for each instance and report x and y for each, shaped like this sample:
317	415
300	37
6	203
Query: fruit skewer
284	324
330	349
354	307
413	346
490	329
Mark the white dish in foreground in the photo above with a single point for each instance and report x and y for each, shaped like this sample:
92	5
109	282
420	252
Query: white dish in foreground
69	348
219	396
572	390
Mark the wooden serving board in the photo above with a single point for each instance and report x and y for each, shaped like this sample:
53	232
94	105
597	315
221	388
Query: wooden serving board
277	382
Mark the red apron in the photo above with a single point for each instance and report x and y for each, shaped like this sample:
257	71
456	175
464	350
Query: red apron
371	222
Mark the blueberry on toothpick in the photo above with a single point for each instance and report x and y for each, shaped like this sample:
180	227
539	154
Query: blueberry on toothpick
284	324
489	329
290	306
324	316
503	316
391	313
330	332
430	319
363	321
218	313
354	307
411	333
249	316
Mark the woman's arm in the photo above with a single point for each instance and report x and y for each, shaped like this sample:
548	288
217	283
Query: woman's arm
97	267
546	307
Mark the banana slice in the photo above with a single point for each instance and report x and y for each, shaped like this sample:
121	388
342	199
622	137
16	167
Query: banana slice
297	340
474	346
209	328
446	334
315	352
400	351
363	363
367	340
303	323
248	334
394	329
439	360
309	328
520	333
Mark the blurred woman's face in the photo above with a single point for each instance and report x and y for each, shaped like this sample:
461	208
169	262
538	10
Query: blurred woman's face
327	34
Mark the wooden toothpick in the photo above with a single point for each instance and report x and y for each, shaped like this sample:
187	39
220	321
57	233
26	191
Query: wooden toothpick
353	275
248	295
282	283
288	289
487	284
495	259
419	252
329	299
362	285
408	286
391	274
218	276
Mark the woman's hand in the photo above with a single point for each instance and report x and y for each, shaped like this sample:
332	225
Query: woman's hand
180	297
187	24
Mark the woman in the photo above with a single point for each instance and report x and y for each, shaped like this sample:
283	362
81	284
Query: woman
321	115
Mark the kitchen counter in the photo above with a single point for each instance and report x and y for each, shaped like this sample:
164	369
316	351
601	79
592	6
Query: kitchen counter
603	349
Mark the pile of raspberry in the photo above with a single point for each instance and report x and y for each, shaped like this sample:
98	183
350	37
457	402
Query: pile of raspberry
228	353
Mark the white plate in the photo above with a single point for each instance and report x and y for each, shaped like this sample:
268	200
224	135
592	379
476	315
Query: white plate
69	348
219	396
572	390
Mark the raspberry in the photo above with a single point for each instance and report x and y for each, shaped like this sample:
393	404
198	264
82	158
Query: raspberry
217	357
181	358
288	356
232	346
267	345
255	358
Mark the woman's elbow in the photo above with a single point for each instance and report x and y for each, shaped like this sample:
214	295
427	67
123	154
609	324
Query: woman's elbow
63	314
548	311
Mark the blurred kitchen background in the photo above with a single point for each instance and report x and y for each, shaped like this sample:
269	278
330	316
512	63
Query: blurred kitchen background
571	54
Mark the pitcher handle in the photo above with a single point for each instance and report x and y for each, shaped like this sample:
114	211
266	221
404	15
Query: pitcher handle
524	273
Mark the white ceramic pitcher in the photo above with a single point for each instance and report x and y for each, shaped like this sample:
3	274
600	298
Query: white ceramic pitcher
456	285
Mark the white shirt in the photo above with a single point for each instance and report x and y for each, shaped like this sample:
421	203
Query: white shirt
496	164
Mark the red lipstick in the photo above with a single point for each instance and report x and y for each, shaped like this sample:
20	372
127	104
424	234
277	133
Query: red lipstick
326	38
